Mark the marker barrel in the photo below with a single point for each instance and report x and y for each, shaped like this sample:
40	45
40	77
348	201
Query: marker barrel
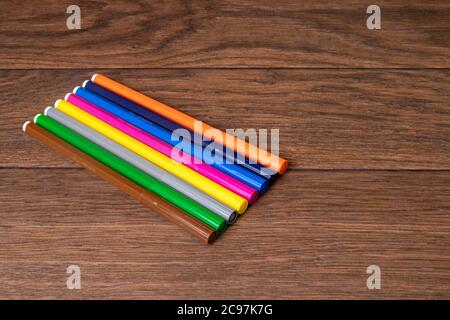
221	154
142	164
264	157
235	171
146	197
200	182
132	173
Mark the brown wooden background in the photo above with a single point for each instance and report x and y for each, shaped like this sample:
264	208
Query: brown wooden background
364	118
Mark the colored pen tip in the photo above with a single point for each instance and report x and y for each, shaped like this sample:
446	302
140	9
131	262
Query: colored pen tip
93	77
75	89
25	125
46	110
67	96
56	102
85	83
233	218
35	117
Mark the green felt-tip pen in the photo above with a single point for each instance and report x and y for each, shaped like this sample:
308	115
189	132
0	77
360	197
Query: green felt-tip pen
190	206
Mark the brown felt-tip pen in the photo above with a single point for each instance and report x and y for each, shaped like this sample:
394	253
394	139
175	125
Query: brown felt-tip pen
148	198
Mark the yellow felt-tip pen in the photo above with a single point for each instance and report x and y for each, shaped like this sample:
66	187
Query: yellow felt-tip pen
202	183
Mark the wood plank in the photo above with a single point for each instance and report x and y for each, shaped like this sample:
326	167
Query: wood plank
318	245
248	33
328	119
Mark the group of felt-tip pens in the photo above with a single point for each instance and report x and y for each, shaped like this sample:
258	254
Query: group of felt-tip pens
127	138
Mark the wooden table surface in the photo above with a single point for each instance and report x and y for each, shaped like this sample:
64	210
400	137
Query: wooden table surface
364	119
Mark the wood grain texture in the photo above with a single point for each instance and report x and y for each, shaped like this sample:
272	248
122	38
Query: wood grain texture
346	119
249	33
364	119
317	247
